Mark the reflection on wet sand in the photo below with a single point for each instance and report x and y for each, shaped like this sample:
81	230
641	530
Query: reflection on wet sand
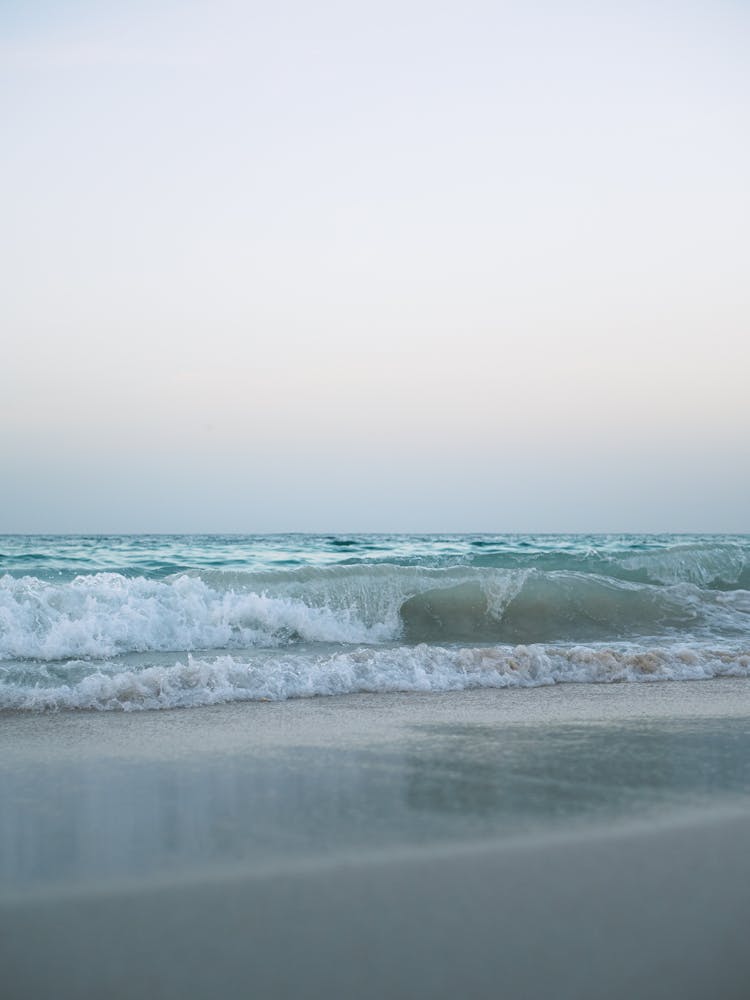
119	818
521	773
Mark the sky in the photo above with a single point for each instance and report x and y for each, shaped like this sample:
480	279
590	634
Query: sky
359	266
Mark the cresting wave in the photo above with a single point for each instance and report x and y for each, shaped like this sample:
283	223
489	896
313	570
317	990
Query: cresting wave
107	614
443	615
419	668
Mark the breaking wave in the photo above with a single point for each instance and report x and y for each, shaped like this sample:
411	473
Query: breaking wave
109	640
107	614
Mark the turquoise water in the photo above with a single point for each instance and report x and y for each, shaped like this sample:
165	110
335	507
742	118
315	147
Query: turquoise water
721	560
164	621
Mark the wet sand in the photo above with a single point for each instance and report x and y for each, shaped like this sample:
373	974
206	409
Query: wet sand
578	841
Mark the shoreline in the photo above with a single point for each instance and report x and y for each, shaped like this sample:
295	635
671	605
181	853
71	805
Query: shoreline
578	701
576	841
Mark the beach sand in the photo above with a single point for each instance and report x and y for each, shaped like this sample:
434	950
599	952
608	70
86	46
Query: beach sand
576	841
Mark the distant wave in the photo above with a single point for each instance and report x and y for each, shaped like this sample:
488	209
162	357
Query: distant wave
719	562
203	681
720	565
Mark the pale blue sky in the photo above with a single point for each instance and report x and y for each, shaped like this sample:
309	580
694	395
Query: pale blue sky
375	266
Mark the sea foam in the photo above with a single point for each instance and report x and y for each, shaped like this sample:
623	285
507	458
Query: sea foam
422	668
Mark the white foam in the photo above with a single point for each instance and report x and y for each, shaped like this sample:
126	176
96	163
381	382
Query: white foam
106	614
196	681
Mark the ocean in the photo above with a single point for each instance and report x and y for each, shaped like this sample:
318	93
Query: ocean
127	622
509	790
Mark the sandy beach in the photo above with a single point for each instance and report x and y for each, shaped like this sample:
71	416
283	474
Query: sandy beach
576	841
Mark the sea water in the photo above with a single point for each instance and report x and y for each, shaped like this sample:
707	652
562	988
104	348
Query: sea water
147	622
